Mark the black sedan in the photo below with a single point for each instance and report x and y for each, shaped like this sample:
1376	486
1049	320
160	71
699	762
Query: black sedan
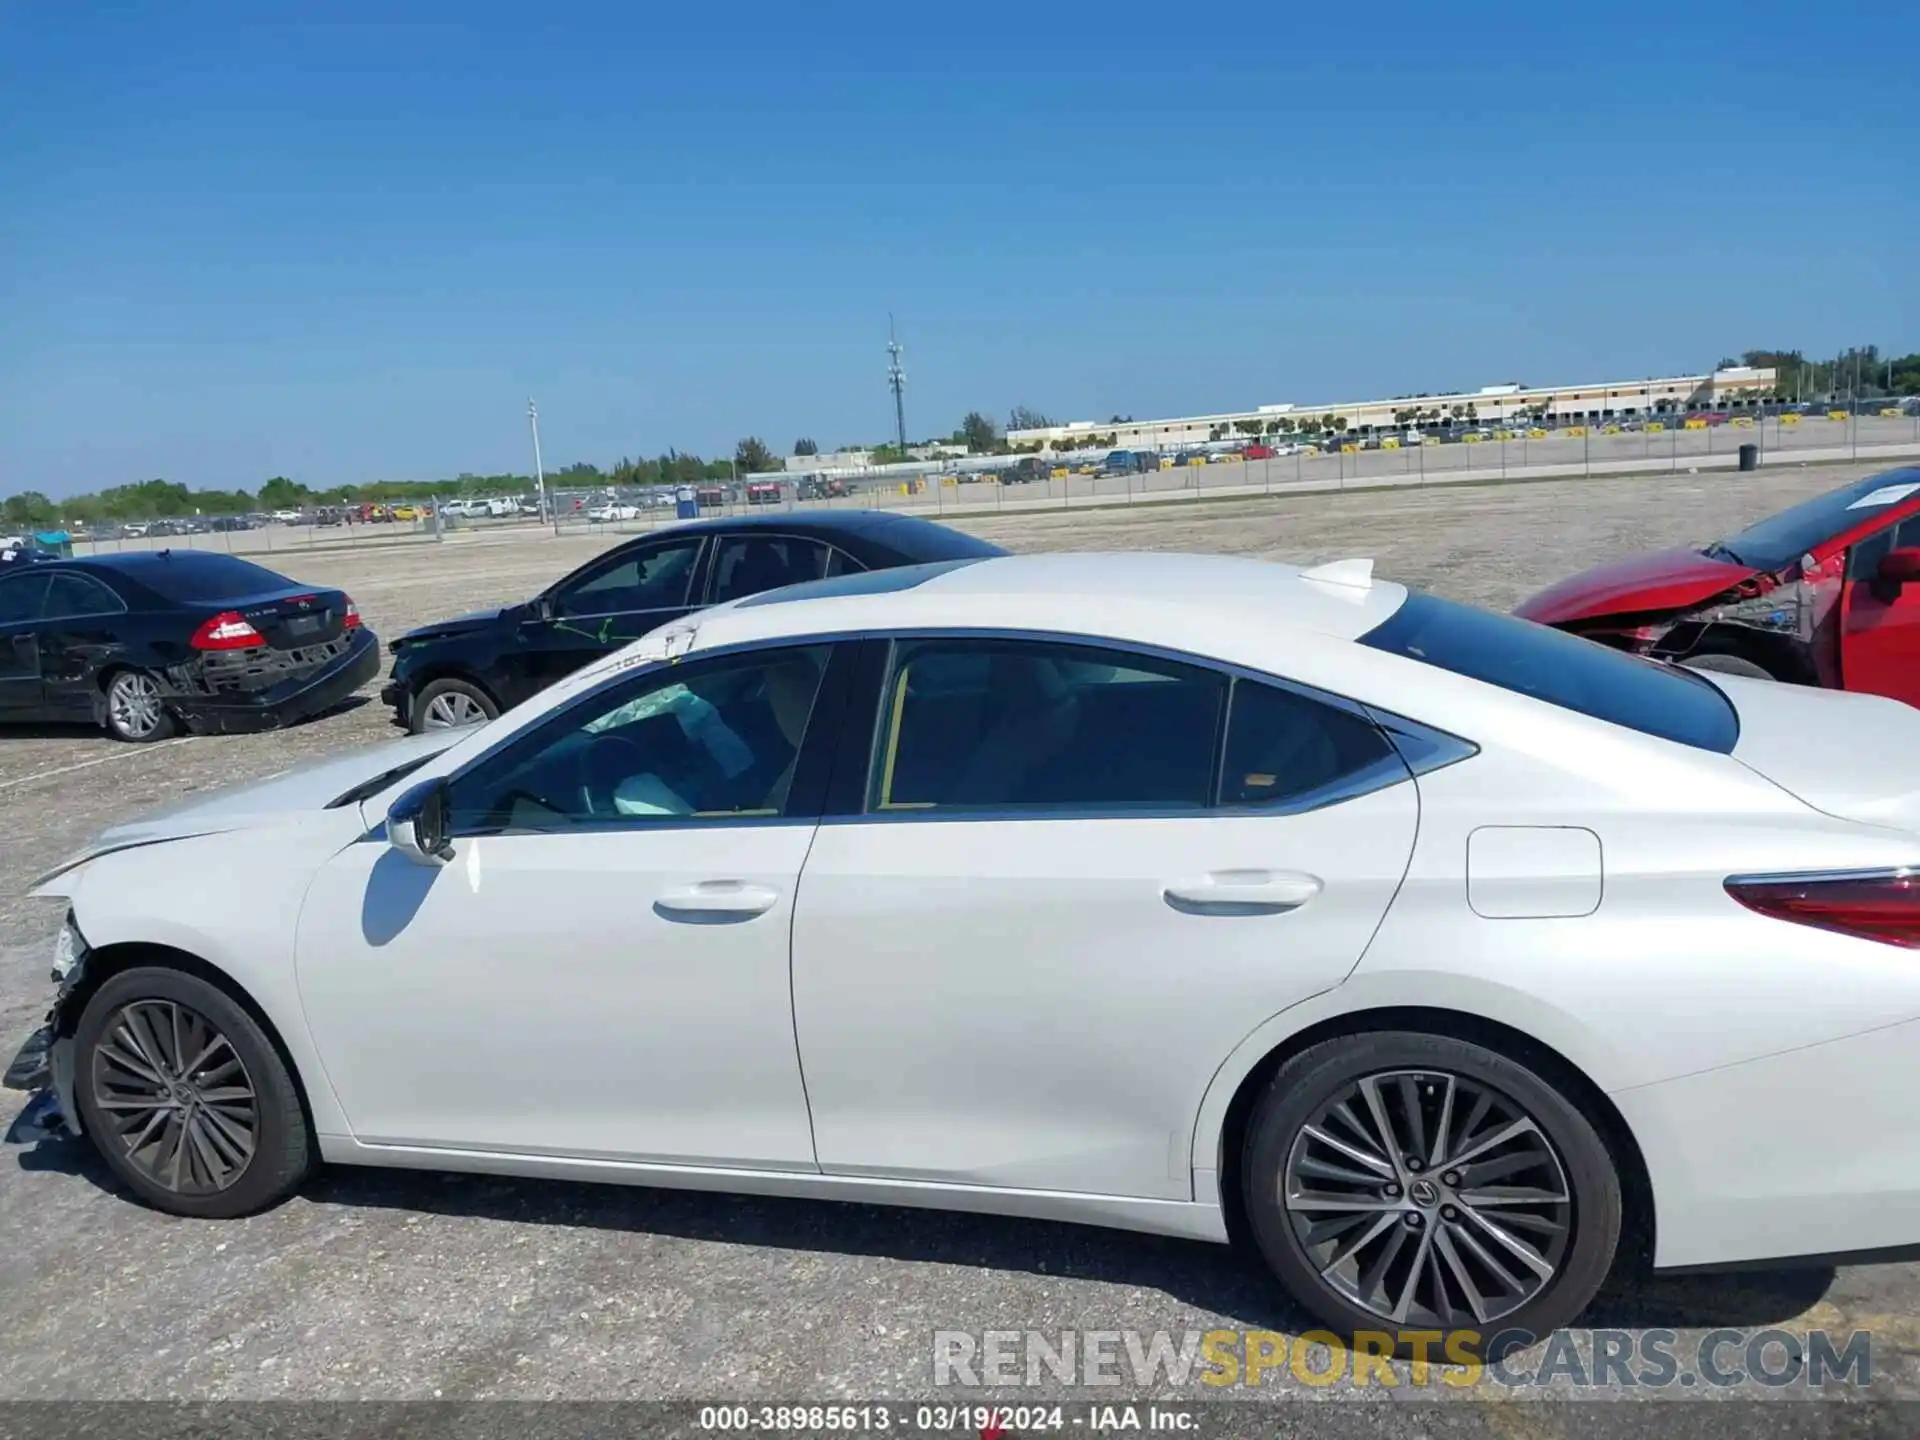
147	642
462	671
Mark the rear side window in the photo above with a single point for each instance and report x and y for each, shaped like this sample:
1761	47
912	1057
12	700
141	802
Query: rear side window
749	565
1560	669
989	725
192	577
72	595
1287	750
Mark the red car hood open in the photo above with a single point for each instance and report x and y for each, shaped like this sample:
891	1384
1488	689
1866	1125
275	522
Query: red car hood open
1664	580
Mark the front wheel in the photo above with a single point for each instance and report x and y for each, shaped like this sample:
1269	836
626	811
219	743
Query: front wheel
134	710
1400	1183
1728	665
449	704
186	1098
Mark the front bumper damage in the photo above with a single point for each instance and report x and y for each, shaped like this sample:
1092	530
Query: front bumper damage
44	1064
231	692
1795	610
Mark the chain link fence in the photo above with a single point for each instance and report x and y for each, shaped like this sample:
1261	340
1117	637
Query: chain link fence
1490	452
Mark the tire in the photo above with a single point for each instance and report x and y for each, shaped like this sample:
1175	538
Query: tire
439	705
1562	1150
1728	665
235	1157
132	710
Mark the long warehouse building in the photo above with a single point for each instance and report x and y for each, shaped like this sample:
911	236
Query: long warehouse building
1739	386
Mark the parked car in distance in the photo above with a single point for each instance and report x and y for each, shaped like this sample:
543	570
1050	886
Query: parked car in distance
1129	462
147	642
1825	593
1418	942
611	511
460	671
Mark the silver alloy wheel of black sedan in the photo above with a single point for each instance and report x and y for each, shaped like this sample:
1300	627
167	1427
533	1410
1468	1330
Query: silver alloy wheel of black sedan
177	1095
1428	1199
450	709
133	704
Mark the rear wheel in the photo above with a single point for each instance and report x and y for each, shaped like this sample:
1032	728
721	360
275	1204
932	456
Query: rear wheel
134	711
448	704
1399	1183
1728	665
186	1098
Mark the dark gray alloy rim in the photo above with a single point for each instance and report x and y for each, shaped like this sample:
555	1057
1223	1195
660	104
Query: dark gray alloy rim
1428	1199
176	1097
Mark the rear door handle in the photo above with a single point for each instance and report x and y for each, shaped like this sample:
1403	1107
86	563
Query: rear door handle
717	900
1243	892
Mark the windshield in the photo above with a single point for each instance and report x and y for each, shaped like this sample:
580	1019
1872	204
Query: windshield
1560	669
1779	540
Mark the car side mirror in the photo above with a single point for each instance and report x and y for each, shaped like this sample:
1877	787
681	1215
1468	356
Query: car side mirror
542	607
417	824
1899	567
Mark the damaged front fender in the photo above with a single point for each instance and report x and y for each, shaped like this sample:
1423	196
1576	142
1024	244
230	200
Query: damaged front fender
44	1065
1788	620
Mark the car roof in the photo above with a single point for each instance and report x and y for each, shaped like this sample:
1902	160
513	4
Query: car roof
1156	598
136	563
910	535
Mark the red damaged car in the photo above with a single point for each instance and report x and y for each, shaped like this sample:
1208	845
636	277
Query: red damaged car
1826	593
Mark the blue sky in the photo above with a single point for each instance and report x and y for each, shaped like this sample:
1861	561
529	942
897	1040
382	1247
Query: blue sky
237	240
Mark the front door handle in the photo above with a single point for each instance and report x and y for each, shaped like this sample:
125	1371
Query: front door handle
1243	892
717	900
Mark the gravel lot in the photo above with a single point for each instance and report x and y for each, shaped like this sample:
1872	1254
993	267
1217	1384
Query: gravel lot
382	1285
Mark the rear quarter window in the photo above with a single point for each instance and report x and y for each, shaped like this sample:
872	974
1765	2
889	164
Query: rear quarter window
1560	669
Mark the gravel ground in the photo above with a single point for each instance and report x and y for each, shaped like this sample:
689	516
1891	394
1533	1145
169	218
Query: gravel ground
383	1285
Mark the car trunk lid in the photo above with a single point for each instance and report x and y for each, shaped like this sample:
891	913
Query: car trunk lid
293	619
1853	756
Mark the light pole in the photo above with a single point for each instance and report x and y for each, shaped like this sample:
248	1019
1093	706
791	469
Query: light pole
539	471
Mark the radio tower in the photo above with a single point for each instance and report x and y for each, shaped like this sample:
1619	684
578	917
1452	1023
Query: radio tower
897	380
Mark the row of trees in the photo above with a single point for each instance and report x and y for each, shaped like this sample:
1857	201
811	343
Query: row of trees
1860	371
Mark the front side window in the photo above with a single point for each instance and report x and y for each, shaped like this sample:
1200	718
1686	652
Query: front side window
654	577
1864	561
711	740
1560	669
984	724
73	595
750	564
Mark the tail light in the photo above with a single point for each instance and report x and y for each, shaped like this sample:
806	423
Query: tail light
351	620
228	630
1881	905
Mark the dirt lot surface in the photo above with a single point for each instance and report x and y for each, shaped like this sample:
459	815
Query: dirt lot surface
391	1285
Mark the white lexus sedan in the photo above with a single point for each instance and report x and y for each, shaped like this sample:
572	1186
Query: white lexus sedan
1447	954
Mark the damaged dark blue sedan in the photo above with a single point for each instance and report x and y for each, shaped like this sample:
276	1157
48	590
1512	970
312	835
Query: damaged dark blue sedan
148	643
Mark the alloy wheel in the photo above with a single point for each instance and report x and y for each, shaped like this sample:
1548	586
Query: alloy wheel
176	1096
1428	1199
133	700
452	709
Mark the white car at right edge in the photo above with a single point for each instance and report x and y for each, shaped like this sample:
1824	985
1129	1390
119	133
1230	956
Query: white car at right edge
1457	956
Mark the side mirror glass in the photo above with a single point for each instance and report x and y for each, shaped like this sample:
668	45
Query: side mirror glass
1900	567
417	824
543	607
